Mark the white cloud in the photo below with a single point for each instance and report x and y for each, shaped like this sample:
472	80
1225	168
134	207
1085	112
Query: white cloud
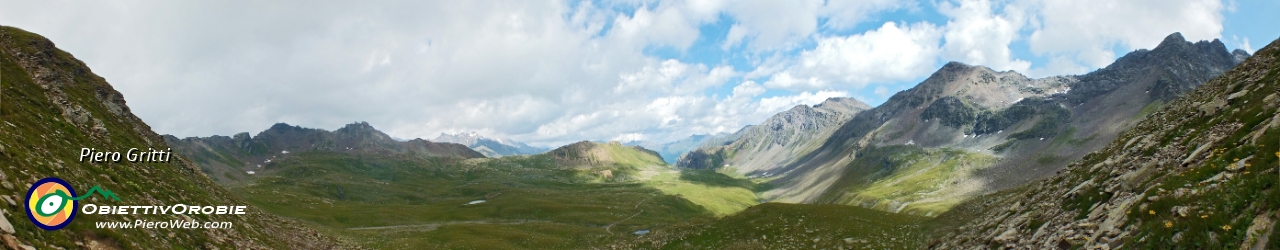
890	53
1243	44
664	26
1088	29
846	14
747	90
555	72
776	104
977	35
772	24
779	25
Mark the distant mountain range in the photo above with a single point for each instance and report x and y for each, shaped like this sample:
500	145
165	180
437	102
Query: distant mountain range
489	146
671	151
229	159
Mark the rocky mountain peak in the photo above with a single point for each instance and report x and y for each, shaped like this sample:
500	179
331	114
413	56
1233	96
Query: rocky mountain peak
1159	185
1239	55
1178	66
281	127
842	104
1172	40
357	126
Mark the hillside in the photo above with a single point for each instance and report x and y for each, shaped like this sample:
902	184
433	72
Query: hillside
228	159
1198	173
1012	128
490	147
761	150
52	105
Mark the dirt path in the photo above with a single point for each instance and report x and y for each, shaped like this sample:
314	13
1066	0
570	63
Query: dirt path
606	228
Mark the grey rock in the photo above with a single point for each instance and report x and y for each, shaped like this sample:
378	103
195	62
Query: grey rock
4	224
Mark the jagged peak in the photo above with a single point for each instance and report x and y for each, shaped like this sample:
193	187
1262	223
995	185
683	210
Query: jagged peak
1240	52
1171	39
357	127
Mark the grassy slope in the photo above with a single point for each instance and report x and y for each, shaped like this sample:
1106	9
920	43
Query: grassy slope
36	141
718	193
909	179
793	226
408	202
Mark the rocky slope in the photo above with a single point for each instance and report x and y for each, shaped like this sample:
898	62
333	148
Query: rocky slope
52	105
761	150
490	147
1199	173
1016	129
228	159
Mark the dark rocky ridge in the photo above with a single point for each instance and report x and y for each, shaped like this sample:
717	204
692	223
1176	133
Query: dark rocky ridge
227	158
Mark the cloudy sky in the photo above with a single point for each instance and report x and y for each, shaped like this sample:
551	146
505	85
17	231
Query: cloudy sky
553	72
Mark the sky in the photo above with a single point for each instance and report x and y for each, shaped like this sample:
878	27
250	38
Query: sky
553	72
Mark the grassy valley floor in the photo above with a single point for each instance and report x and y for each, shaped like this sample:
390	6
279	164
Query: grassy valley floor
528	201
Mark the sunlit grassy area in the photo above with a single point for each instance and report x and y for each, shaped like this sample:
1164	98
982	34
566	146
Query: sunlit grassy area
718	193
530	202
914	180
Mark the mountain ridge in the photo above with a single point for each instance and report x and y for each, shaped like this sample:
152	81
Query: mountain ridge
229	159
490	147
1026	129
1199	172
757	149
1032	138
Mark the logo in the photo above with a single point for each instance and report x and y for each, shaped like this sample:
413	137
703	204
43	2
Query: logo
52	203
49	203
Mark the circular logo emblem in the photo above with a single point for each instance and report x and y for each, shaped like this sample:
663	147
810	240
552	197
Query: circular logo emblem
49	203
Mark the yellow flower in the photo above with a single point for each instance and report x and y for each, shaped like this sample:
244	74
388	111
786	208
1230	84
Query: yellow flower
1168	224
1204	216
1151	211
1226	227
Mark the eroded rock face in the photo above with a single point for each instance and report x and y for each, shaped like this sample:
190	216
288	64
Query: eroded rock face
1190	175
764	148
